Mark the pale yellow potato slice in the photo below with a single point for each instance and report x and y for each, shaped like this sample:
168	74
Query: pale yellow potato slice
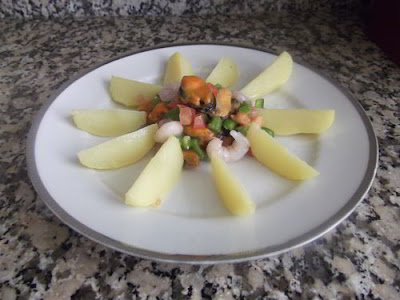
272	78
131	92
226	73
276	157
293	121
158	177
121	151
108	122
233	195
177	67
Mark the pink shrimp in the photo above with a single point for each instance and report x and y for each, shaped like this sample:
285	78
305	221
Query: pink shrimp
168	129
235	152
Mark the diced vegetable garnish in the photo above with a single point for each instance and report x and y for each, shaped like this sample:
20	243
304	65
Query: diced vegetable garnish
191	159
195	146
229	124
260	103
173	114
215	124
242	129
157	113
198	122
269	131
245	108
186	114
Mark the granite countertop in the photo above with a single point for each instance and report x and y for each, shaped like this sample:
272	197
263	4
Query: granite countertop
42	258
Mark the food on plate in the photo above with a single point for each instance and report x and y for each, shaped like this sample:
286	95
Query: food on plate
159	176
198	120
293	121
132	93
276	157
108	122
177	67
225	73
233	195
272	78
121	151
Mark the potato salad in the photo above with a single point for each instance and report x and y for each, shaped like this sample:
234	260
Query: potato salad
195	120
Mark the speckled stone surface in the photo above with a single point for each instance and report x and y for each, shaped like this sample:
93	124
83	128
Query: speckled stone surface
40	258
84	8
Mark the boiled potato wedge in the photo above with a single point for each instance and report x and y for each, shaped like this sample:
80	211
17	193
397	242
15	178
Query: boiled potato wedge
121	151
272	78
277	158
132	93
234	197
226	73
108	122
177	67
158	177
293	121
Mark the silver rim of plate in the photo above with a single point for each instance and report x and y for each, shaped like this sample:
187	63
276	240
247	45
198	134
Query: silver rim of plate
303	239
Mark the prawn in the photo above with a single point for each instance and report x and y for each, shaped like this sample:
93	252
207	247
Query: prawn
235	152
173	128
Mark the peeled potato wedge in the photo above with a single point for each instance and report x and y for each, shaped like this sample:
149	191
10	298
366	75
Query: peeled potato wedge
276	157
226	73
108	122
294	121
121	151
272	78
132	93
234	197
177	67
158	177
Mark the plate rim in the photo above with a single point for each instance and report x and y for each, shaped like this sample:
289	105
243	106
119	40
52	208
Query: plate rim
272	250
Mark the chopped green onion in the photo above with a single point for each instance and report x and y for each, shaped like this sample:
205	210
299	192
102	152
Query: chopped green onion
180	139
195	146
218	86
269	131
206	118
242	129
245	108
173	114
156	100
260	103
215	124
229	124
186	142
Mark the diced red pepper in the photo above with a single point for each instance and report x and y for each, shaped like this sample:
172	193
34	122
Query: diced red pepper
198	122
214	90
172	105
186	114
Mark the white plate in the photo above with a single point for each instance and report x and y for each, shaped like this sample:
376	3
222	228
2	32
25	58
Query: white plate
192	225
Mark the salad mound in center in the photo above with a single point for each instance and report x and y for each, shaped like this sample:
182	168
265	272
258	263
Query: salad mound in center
206	118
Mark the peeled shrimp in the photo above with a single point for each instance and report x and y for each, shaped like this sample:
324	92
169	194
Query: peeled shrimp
168	129
235	152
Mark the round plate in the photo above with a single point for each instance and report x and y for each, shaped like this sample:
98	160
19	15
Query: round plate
192	225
